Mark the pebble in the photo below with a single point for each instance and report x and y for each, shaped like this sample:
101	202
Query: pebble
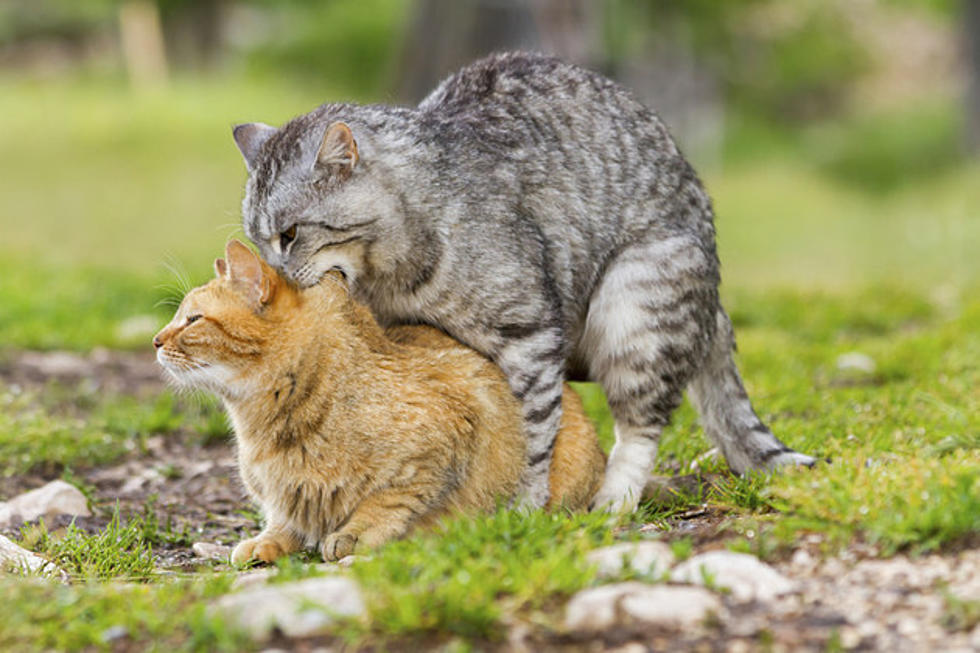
855	361
299	609
211	551
620	604
650	558
16	559
744	575
55	498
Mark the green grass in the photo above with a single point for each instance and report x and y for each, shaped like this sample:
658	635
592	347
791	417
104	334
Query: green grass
463	578
117	551
169	615
65	427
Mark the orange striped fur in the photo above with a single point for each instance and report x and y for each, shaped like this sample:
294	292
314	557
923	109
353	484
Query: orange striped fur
349	436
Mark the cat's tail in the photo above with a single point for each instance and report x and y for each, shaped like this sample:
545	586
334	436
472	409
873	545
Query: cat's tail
727	415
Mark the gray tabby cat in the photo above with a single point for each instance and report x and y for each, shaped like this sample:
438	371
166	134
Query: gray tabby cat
540	214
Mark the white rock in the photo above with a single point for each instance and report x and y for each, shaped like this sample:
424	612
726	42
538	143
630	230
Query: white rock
649	558
300	609
148	476
595	608
599	608
744	575
55	498
211	551
855	361
673	606
16	559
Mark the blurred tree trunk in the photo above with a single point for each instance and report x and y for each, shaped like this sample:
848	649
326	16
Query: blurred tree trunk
444	35
193	30
142	42
971	26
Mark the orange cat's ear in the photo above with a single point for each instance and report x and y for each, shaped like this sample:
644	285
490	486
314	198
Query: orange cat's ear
338	149
220	268
249	272
338	277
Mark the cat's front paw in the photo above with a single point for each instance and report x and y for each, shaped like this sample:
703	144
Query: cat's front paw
615	499
262	548
338	545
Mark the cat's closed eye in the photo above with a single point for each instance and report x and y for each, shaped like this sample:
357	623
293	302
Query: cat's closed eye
287	236
193	318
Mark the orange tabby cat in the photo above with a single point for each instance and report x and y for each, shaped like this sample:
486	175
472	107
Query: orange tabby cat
349	436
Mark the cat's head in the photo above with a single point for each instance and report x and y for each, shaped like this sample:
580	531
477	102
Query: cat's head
310	203
224	330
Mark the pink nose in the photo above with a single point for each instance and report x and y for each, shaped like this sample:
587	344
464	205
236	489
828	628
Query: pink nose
157	342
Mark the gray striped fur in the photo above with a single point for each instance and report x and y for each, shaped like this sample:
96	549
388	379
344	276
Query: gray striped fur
537	212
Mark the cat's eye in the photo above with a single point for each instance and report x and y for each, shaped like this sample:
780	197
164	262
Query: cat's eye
193	318
287	237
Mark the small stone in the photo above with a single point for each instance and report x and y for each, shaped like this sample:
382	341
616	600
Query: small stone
850	637
599	608
649	558
300	609
802	559
744	575
855	361
671	606
16	559
595	608
148	476
631	647
55	498
253	578
113	633
738	646
211	551
348	561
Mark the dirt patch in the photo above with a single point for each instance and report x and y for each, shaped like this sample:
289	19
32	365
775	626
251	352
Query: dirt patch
120	372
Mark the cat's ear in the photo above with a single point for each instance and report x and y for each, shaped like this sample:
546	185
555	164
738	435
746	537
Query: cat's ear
250	138
249	273
220	267
338	148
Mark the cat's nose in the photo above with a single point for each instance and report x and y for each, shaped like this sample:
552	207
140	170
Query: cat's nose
157	343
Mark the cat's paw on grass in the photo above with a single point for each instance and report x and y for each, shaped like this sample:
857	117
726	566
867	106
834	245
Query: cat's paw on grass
338	545
262	548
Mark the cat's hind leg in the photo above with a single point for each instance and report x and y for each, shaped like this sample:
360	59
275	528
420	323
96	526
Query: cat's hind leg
646	332
727	415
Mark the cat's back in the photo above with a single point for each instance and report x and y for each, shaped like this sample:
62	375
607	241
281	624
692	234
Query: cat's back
520	79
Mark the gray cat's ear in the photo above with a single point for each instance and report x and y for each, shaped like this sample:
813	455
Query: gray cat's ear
220	268
338	148
250	138
249	273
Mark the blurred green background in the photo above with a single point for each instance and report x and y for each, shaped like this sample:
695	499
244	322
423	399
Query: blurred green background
838	138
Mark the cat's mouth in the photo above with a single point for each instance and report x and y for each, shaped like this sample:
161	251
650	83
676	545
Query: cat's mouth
180	367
